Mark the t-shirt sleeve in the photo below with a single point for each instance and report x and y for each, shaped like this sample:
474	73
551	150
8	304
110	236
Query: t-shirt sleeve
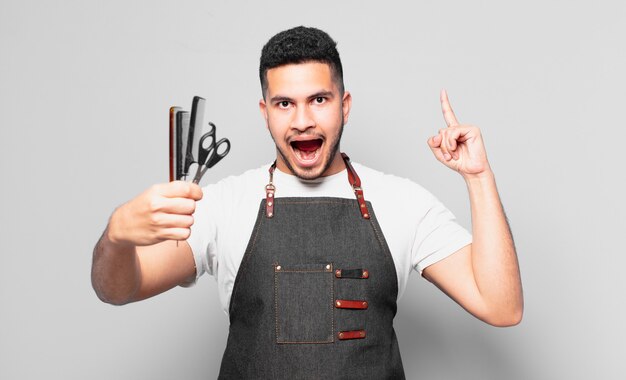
203	233
438	236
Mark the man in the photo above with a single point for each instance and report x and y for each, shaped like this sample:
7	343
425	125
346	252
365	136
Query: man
311	256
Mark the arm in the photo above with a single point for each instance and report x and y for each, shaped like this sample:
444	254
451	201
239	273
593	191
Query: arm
482	277
137	257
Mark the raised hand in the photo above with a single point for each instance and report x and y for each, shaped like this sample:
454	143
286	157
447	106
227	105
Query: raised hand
460	147
163	212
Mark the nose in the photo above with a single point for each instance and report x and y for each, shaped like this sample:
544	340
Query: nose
303	119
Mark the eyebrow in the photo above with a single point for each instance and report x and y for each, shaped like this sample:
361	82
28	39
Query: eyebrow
324	94
281	98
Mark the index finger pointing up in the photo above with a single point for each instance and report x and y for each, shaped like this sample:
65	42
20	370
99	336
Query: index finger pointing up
446	108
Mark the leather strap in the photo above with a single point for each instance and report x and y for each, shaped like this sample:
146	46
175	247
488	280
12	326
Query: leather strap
355	182
351	304
353	178
354	334
270	189
352	273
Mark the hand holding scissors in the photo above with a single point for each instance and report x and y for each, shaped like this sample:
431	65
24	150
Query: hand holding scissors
209	152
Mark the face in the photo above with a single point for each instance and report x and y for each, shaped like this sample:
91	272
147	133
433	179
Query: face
305	114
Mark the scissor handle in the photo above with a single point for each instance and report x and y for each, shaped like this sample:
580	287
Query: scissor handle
215	156
208	153
204	150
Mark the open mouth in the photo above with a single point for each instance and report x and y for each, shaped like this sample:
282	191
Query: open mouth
307	151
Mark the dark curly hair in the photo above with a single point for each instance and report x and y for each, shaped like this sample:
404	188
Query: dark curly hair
299	45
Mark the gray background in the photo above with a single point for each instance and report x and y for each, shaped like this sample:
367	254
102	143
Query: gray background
84	92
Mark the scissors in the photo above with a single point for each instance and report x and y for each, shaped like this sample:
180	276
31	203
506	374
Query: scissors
209	152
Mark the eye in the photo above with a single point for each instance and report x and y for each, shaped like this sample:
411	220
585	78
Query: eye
320	100
283	104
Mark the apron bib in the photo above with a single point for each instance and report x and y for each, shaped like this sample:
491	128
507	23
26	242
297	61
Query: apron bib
315	294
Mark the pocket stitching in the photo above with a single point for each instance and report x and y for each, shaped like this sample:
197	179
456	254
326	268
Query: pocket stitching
332	297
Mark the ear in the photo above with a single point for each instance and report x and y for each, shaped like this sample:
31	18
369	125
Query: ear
263	109
346	104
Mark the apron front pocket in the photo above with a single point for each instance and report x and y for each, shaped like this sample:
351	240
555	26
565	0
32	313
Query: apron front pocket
303	302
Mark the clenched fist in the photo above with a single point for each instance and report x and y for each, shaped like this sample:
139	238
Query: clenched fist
163	212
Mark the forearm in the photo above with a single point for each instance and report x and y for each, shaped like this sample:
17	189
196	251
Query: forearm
494	260
115	271
136	257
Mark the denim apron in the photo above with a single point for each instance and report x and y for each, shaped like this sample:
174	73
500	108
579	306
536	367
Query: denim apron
315	294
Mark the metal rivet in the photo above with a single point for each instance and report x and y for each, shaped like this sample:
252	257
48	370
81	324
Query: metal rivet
328	266
362	333
338	303
278	267
365	274
270	214
338	273
340	335
362	205
270	195
269	203
364	304
366	215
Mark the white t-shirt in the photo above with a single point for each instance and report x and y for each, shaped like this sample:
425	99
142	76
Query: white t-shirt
419	230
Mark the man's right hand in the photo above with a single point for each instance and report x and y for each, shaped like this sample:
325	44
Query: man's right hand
163	212
136	257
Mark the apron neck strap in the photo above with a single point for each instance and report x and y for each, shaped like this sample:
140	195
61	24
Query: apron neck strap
270	189
353	179
355	182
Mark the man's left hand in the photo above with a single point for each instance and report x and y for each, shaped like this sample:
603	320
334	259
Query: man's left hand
460	147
